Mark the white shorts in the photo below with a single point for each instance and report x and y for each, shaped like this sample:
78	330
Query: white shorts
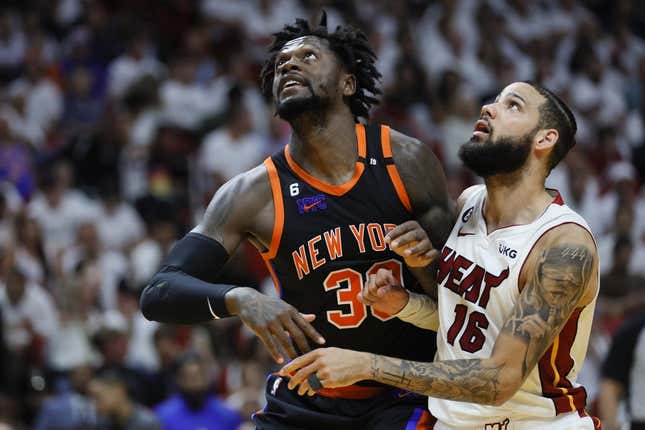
568	421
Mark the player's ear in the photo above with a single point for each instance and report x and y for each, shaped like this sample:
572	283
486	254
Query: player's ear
546	139
348	84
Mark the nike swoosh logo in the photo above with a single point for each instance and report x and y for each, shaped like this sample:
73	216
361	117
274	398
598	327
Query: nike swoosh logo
307	207
461	233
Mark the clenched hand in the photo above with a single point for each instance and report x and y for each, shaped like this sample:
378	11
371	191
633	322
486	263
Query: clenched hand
411	242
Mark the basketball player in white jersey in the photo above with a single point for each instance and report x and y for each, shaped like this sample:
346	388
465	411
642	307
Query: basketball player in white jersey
517	286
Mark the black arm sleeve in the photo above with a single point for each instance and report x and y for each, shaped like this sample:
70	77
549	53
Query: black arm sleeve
183	291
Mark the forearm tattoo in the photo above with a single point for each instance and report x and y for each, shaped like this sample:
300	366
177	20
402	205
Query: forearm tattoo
463	380
543	308
550	295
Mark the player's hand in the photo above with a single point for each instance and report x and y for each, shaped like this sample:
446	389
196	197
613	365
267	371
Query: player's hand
274	321
334	367
411	242
383	293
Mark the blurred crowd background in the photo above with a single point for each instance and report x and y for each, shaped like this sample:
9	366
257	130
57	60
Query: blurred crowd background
120	119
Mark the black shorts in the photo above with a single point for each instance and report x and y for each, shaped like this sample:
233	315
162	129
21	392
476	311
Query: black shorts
391	409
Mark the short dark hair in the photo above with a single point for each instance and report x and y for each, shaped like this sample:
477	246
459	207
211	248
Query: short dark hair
352	49
554	113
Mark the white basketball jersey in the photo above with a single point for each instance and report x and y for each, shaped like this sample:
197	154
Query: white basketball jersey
478	289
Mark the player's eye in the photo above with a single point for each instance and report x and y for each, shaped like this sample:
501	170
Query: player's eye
310	55
280	61
514	105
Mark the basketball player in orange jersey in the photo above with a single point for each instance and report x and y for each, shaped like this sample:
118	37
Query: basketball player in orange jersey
319	211
517	287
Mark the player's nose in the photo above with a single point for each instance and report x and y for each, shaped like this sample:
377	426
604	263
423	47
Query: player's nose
289	65
488	110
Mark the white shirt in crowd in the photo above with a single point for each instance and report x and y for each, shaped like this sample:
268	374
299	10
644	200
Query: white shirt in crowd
120	227
145	259
223	155
111	268
43	101
126	70
58	224
36	307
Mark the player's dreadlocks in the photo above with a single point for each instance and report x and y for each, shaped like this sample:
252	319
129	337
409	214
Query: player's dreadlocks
350	46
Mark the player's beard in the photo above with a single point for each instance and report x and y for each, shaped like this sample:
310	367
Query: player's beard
499	156
294	107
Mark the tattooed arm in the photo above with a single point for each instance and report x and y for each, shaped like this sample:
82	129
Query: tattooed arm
425	183
558	276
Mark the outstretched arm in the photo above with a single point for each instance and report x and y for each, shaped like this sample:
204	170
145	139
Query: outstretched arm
559	277
186	291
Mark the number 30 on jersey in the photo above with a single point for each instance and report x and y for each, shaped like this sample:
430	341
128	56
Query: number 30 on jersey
348	283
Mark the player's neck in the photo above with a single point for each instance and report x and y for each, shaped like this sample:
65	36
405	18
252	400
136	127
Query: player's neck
325	149
514	201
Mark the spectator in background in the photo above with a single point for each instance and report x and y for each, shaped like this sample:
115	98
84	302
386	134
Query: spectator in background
16	165
80	318
29	320
95	156
249	397
59	210
119	225
116	409
455	110
445	40
243	85
38	38
83	109
621	185
137	62
30	252
596	93
168	351
110	266
185	103
70	408
29	316
144	114
405	100
77	54
146	256
104	40
624	377
40	100
113	342
234	148
621	291
194	406
141	350
196	46
579	188
12	45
